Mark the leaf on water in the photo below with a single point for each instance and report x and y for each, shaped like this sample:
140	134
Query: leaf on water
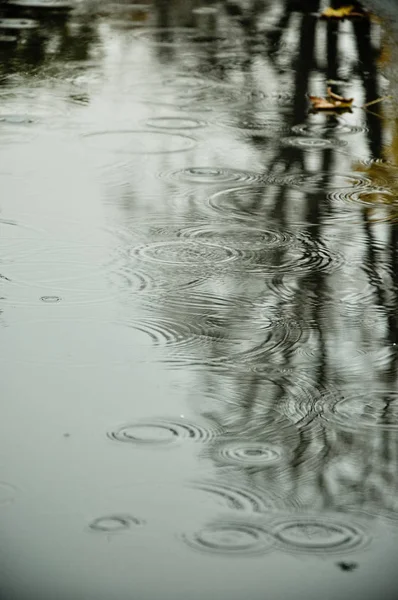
332	102
344	12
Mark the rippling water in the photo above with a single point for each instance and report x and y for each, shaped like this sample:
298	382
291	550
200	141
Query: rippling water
198	302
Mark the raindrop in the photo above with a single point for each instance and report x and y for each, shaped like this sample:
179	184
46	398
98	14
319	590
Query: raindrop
232	538
375	409
139	141
317	534
114	523
212	176
163	432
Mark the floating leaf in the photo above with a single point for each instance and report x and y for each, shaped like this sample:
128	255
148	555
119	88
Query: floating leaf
344	12
332	102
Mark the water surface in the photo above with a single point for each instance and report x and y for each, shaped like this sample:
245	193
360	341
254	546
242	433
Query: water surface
198	304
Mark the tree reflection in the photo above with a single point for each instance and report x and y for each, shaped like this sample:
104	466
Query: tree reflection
289	396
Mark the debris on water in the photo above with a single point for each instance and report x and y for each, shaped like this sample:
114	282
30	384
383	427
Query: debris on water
331	102
344	12
348	567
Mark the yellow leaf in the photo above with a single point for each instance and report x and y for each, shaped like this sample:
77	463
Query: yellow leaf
332	102
342	13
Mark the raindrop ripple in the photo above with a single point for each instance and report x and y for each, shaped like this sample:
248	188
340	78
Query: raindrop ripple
142	142
247	453
185	253
160	432
114	523
318	535
376	409
212	176
231	538
235	497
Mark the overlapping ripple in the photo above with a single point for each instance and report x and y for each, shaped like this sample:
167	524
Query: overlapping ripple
361	410
321	129
193	340
185	253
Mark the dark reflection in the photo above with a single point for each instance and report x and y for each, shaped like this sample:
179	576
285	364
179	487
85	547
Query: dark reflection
280	386
257	245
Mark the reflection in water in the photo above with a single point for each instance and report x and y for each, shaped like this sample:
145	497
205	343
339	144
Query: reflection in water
182	236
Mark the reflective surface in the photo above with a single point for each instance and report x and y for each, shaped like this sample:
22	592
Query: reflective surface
199	303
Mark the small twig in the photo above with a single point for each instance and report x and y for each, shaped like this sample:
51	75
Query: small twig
376	101
371	112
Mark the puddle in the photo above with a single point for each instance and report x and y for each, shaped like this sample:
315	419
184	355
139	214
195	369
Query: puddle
198	300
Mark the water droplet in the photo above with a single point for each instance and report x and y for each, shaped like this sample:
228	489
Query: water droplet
139	142
114	523
232	538
162	432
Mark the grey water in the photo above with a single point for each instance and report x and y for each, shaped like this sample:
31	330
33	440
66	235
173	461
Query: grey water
198	301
